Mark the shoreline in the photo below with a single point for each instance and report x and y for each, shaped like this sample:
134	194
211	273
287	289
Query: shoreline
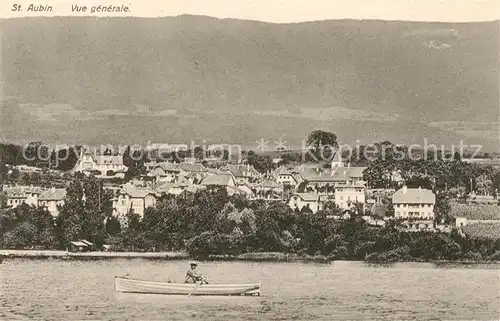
63	255
248	257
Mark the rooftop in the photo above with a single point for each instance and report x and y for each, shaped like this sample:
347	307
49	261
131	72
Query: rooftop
267	184
136	191
240	170
107	160
167	167
53	194
308	197
413	196
189	167
217	180
22	191
282	170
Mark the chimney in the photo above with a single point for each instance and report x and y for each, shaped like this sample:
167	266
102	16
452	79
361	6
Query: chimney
53	189
348	165
405	189
419	189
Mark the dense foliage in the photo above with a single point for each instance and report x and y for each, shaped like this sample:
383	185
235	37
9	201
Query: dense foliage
432	170
212	223
84	215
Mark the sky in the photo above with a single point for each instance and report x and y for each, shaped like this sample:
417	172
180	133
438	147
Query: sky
279	11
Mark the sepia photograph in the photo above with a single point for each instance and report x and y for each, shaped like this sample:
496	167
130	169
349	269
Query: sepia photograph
250	160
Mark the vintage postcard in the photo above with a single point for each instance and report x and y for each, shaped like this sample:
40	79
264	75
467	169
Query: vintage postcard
250	160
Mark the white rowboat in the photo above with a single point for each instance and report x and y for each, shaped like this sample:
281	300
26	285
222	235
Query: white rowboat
123	284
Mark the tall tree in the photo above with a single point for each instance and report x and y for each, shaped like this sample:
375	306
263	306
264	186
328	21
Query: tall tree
71	216
318	139
98	208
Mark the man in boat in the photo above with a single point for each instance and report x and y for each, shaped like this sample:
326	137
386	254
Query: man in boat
193	275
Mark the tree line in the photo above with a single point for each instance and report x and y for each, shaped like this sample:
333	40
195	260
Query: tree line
210	222
428	169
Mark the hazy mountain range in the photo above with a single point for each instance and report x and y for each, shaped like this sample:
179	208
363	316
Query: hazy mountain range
130	80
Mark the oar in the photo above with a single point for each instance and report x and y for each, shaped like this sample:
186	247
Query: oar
197	285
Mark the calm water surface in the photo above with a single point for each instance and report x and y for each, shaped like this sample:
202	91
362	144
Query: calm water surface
60	290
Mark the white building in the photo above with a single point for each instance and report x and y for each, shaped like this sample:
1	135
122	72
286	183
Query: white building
414	203
51	199
241	172
165	172
18	195
133	198
101	165
348	194
225	180
312	201
285	177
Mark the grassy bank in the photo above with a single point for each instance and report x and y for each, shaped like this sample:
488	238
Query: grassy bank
63	255
271	257
248	257
282	257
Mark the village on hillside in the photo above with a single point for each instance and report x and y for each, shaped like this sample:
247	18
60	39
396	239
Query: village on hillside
337	187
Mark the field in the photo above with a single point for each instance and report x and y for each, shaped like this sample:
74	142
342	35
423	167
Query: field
476	212
483	230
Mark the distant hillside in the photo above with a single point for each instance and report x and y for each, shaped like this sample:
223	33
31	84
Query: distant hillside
117	80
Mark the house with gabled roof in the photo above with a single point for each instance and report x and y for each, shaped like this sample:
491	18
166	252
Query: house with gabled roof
134	198
414	203
320	180
268	189
17	195
242	172
196	172
415	206
100	165
245	188
52	199
285	176
348	194
223	180
312	201
165	172
169	188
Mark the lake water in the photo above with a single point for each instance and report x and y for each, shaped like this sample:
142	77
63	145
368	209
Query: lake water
84	290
